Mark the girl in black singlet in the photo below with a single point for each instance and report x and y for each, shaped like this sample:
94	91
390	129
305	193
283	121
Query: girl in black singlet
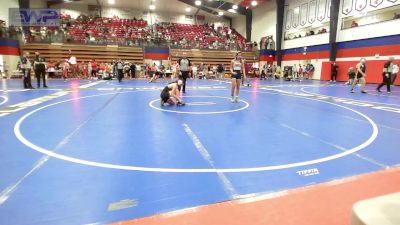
360	76
237	69
171	94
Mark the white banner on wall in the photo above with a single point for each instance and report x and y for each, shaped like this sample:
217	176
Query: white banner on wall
347	7
375	3
312	11
295	17
289	19
361	5
322	10
303	14
328	9
355	7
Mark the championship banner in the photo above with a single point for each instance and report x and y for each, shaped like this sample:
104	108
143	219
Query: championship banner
321	10
289	19
303	14
312	11
347	7
375	3
361	5
295	17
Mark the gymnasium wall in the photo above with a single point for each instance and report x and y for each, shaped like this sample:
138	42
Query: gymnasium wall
375	50
73	9
153	17
315	55
319	39
264	21
305	15
77	8
5	5
364	13
38	4
239	24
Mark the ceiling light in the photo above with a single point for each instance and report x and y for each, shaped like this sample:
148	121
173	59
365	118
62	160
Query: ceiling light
220	13
235	7
231	11
188	9
197	2
111	2
152	7
254	3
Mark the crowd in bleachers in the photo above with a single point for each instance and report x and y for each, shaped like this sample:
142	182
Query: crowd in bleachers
130	32
199	36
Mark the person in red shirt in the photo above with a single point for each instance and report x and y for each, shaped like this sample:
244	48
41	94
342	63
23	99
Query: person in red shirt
94	68
354	24
51	68
85	70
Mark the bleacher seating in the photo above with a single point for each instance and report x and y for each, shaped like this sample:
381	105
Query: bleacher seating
115	31
58	53
108	28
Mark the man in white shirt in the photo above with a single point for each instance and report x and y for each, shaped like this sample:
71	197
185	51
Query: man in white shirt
74	66
194	71
395	71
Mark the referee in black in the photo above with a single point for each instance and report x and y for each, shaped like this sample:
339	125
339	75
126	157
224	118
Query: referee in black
40	69
386	75
184	68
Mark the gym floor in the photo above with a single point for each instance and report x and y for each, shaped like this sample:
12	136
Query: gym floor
98	152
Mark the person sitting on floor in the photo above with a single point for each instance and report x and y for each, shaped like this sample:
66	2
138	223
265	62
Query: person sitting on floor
171	94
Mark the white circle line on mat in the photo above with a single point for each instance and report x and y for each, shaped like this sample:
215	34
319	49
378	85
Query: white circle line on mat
21	138
246	105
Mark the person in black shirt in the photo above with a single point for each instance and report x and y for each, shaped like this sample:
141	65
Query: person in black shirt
386	75
334	72
351	74
132	70
360	76
171	94
120	72
220	70
40	69
185	66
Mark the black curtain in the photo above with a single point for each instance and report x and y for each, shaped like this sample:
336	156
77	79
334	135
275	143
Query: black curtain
280	7
334	10
249	21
